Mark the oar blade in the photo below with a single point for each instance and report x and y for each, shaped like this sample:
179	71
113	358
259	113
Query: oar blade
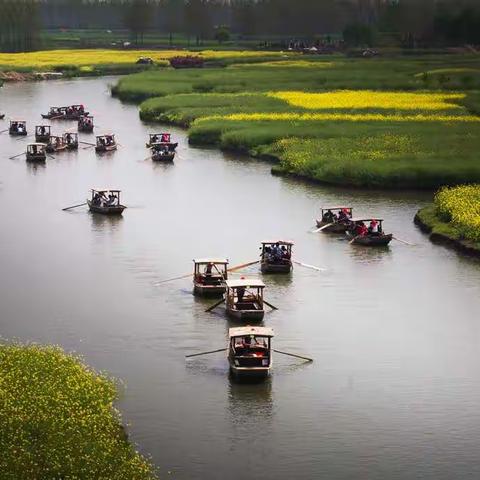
308	359
215	305
205	353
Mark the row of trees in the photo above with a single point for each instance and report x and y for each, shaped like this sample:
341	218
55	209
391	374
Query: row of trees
427	21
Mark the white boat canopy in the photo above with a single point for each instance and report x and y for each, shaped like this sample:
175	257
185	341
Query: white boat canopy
245	282
280	242
220	261
243	331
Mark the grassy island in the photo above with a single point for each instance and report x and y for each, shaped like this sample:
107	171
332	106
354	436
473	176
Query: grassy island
389	123
454	218
57	420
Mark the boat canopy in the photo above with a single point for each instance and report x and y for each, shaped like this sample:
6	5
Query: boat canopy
103	190
219	261
366	219
336	208
245	282
36	144
280	242
244	331
106	135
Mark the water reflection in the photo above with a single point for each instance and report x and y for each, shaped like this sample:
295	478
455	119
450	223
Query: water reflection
370	254
35	168
106	223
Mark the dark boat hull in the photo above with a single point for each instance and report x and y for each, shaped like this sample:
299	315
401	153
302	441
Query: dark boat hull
42	138
208	290
115	210
17	134
85	129
276	267
373	241
171	146
334	228
104	149
36	157
246	315
163	158
72	146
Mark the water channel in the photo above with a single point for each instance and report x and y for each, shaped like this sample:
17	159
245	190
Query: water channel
395	387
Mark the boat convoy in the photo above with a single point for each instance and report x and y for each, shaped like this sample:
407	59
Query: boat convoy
249	349
161	146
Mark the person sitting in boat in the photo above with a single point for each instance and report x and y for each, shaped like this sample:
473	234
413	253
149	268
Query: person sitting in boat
373	227
285	254
154	139
361	229
343	216
111	200
42	130
109	141
240	294
68	138
329	216
165	137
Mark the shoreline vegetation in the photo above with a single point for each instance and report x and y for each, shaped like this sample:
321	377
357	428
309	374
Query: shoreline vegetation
375	123
454	219
57	419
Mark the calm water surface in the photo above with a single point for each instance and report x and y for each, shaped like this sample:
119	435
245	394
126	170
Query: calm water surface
394	391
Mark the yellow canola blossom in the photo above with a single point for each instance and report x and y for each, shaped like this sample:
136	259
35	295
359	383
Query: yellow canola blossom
461	206
348	99
286	64
343	117
80	57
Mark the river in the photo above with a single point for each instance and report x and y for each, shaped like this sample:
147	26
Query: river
395	386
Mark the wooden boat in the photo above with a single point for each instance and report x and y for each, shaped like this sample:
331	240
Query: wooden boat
71	140
42	133
209	276
54	112
161	153
161	139
250	351
105	143
368	237
106	202
330	218
85	124
276	256
244	299
18	128
36	152
56	144
72	112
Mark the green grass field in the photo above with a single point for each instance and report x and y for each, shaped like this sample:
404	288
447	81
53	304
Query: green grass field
57	420
402	123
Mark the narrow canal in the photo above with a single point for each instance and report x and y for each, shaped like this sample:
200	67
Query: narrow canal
395	386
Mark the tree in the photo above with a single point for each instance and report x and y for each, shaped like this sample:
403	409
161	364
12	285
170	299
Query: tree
197	19
138	18
222	34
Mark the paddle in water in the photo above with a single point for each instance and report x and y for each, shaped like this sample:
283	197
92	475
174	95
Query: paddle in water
74	206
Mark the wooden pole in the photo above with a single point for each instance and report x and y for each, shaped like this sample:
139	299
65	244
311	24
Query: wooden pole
244	265
205	353
306	265
294	355
273	307
321	228
6	130
88	143
175	278
215	305
15	156
404	241
74	206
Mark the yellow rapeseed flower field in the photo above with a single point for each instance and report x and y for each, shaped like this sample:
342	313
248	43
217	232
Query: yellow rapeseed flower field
461	207
81	57
361	99
344	117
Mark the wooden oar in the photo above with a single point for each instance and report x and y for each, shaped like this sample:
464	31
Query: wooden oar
15	156
273	307
244	265
209	309
54	118
50	156
174	278
6	130
404	241
205	353
87	143
321	228
294	355
306	265
75	206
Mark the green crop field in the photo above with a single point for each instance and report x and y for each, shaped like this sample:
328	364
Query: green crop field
397	123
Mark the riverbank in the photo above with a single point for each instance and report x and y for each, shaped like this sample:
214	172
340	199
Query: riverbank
57	419
443	232
333	120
